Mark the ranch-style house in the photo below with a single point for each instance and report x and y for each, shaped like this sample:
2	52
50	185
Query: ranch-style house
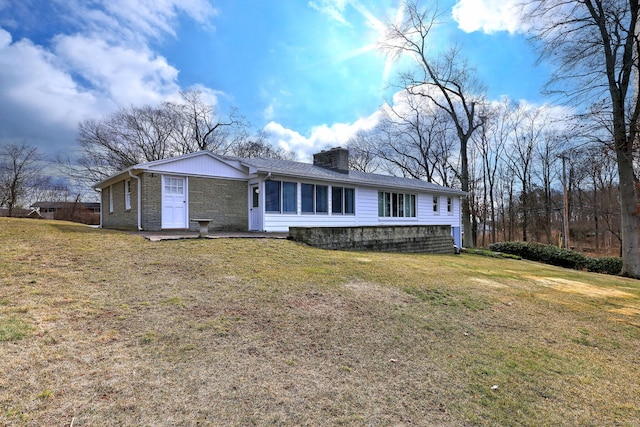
259	194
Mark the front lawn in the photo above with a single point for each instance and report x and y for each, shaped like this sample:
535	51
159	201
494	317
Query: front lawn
105	328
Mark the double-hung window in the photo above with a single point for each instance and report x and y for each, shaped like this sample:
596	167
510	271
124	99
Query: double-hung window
281	197
436	208
449	204
322	202
272	196
396	205
314	198
289	197
342	200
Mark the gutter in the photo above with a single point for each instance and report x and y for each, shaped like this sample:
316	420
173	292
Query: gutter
139	202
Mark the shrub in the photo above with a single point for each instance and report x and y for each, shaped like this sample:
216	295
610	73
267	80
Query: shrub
606	265
492	254
553	255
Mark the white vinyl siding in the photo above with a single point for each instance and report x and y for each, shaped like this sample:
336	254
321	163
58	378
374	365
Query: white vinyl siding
366	208
198	165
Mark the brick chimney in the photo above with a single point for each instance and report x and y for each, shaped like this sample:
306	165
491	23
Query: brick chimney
336	159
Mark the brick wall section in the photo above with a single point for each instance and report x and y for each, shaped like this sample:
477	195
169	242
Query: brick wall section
421	238
151	202
120	217
223	201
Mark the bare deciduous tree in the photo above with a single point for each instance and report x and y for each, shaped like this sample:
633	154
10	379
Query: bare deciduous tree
142	134
125	138
19	173
363	152
200	126
490	143
595	45
418	140
255	146
446	80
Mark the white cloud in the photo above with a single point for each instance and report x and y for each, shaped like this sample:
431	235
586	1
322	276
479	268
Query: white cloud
332	8
124	20
31	81
287	139
102	60
321	137
124	75
269	112
489	16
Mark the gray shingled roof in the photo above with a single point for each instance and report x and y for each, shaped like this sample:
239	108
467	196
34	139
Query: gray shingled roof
307	170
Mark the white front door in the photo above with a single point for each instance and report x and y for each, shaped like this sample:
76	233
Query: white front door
255	213
174	202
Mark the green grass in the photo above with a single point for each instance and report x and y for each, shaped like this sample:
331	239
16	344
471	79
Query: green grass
13	329
106	328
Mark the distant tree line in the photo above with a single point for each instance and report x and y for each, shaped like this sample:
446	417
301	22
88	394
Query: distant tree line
524	163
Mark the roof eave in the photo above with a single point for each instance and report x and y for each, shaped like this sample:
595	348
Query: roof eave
349	180
117	177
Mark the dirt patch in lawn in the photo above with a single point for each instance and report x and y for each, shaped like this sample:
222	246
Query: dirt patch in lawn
577	287
373	292
487	282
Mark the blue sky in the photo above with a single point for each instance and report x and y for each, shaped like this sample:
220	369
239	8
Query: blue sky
306	71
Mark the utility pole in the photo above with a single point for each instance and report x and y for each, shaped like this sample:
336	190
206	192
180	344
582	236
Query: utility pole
565	202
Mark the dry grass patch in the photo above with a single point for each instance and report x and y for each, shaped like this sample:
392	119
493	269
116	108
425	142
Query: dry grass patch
117	330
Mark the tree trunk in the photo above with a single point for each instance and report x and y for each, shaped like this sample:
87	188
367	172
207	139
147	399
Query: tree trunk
628	215
468	237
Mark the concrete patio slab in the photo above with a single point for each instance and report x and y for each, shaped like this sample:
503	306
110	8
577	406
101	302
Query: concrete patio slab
156	236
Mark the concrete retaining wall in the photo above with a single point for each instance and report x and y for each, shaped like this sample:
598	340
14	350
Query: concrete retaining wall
411	238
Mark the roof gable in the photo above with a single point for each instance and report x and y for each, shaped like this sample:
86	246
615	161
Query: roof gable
202	163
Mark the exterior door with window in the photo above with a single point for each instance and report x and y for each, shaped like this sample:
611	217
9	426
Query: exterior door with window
255	213
174	202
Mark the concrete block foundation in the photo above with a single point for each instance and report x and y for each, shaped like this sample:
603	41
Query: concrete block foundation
434	239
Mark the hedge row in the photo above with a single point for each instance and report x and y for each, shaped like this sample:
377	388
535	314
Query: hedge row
553	255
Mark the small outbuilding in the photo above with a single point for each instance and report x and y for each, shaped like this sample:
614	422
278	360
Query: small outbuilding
260	194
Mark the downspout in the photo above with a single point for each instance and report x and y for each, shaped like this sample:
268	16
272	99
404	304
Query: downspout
139	198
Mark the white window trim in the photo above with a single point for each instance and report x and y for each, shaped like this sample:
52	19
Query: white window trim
404	217
127	194
343	203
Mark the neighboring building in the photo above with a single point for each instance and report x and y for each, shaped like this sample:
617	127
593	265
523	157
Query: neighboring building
51	210
20	213
270	195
